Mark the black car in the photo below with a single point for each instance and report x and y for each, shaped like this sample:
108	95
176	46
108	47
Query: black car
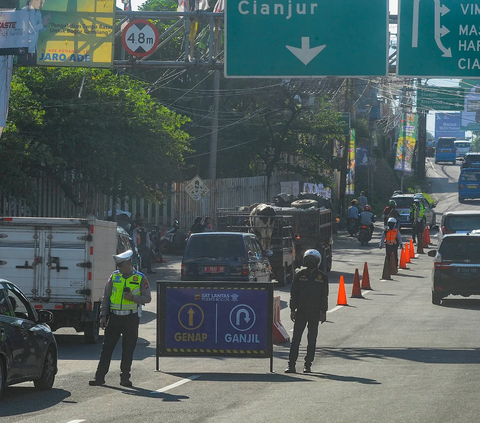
469	159
456	268
28	350
225	256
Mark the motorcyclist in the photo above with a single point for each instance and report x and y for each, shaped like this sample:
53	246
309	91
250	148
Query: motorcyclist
353	213
141	239
391	211
367	218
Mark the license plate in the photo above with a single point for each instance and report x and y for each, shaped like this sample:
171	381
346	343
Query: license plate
445	151
467	270
472	186
214	269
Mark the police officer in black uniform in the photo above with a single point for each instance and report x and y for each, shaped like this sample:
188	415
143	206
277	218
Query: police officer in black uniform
308	306
125	292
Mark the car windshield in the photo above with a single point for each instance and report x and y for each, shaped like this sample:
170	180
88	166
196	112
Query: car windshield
472	158
403	202
214	247
460	248
462	144
463	223
470	176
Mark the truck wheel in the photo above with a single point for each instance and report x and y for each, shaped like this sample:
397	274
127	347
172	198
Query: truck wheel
92	332
48	372
304	204
165	247
281	276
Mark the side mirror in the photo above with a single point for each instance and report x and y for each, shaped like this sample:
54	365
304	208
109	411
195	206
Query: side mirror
432	253
45	316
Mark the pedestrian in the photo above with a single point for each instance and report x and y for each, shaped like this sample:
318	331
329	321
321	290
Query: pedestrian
391	211
308	306
392	239
417	217
197	227
362	201
207	226
141	239
352	213
126	290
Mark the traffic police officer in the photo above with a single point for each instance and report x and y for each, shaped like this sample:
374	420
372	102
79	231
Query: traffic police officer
417	217
126	290
308	305
392	238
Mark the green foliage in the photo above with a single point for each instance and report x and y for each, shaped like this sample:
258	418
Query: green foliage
476	143
92	128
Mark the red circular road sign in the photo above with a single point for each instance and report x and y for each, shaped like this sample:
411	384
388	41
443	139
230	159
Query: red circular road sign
140	37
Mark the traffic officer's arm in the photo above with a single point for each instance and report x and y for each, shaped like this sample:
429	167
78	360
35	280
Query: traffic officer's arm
382	239
105	308
399	239
324	299
294	298
145	294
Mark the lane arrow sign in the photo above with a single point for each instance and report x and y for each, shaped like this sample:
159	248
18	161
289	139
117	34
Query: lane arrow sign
305	53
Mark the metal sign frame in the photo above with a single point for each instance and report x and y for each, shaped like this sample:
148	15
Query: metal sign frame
214	310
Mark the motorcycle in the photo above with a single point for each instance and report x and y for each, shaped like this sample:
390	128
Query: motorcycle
364	234
352	226
167	240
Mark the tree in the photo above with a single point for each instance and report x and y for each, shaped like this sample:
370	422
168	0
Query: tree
91	128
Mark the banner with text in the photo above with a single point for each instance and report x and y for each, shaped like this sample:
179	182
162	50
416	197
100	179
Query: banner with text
448	125
407	138
13	32
73	33
351	165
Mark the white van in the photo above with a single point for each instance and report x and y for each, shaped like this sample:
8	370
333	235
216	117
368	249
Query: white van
462	147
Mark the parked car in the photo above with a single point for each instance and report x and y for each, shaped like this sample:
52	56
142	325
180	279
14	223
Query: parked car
462	147
469	159
469	183
460	222
456	267
445	150
405	201
28	350
225	256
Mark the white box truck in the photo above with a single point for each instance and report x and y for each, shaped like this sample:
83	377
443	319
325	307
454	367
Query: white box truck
61	264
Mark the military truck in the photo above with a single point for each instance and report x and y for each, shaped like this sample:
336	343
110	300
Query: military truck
278	238
312	228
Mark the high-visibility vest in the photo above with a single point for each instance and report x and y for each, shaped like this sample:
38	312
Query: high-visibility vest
421	213
391	236
119	283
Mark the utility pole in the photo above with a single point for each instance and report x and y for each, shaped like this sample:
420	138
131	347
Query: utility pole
212	166
343	168
422	139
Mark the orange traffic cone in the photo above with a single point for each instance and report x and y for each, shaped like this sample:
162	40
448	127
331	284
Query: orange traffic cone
425	238
366	278
342	297
407	253
356	291
428	235
420	243
411	250
393	265
386	270
403	263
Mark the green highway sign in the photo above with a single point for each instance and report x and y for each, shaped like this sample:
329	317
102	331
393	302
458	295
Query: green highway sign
311	38
441	98
439	39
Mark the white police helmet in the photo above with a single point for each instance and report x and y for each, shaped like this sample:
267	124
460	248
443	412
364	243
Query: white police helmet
392	220
125	256
312	257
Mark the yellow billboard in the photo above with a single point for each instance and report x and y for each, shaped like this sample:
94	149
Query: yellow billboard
70	33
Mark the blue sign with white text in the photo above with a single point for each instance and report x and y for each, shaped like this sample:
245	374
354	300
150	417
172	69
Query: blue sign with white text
230	320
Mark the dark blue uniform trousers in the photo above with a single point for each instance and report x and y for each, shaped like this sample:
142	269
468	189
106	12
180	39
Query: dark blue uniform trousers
301	321
127	326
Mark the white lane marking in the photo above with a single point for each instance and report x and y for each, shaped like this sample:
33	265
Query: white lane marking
341	306
76	421
176	384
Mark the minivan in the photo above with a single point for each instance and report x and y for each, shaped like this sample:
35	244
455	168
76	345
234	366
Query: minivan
469	183
459	222
445	150
225	256
462	147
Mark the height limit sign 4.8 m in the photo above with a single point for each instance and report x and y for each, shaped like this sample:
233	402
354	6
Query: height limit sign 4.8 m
140	37
306	38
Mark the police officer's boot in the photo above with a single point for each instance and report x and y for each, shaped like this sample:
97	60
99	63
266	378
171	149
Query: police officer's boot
290	368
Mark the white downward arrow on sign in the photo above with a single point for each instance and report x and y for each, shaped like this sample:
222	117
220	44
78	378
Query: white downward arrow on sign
305	53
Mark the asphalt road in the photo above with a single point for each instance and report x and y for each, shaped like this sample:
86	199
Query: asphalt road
391	356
